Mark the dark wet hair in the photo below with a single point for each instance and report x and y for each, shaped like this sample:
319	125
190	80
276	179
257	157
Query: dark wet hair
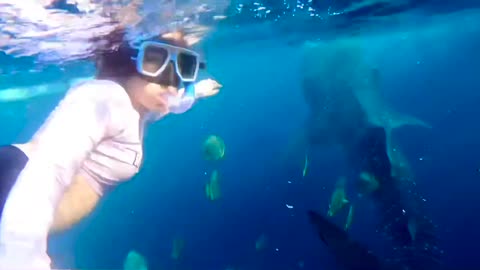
113	55
113	58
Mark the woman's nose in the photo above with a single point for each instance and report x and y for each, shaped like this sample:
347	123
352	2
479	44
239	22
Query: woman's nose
171	74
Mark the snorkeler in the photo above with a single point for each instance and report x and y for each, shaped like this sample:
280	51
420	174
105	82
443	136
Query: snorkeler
92	142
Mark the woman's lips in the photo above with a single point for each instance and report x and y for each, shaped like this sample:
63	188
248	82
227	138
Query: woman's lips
163	99
162	102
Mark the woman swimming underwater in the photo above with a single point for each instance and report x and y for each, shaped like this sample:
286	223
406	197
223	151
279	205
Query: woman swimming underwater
92	142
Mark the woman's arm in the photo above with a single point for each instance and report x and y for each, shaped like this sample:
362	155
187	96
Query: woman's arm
77	202
70	133
185	98
183	101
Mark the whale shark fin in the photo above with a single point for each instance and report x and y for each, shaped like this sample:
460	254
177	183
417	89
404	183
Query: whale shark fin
398	120
394	118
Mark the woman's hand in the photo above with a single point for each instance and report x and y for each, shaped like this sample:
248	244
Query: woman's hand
207	88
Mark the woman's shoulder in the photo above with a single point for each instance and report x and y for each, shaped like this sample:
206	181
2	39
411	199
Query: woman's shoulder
107	99
98	88
99	91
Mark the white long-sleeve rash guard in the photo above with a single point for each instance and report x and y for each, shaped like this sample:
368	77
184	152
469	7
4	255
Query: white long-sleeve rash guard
94	132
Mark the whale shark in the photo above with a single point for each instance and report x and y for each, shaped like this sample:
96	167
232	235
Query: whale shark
347	109
353	255
349	254
344	95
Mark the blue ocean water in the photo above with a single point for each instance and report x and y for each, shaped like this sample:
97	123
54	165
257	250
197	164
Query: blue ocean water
431	71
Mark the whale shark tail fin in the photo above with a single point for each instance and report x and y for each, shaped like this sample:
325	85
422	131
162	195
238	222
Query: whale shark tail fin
396	119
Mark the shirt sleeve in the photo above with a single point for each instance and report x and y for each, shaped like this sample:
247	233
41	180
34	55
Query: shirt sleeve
183	101
67	137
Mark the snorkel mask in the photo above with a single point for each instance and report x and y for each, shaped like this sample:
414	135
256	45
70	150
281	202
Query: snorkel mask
164	63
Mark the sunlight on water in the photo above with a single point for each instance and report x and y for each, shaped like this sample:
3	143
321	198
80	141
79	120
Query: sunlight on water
27	28
34	38
62	30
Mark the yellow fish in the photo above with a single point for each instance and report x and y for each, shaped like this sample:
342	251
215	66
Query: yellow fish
212	188
261	242
339	197
368	183
412	228
305	166
214	148
177	248
349	221
135	261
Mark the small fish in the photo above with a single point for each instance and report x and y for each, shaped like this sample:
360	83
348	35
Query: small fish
212	189
207	191
349	221
305	166
261	242
339	198
214	148
368	183
412	228
135	261
177	248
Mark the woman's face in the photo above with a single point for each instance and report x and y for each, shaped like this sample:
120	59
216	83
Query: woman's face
150	96
156	96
